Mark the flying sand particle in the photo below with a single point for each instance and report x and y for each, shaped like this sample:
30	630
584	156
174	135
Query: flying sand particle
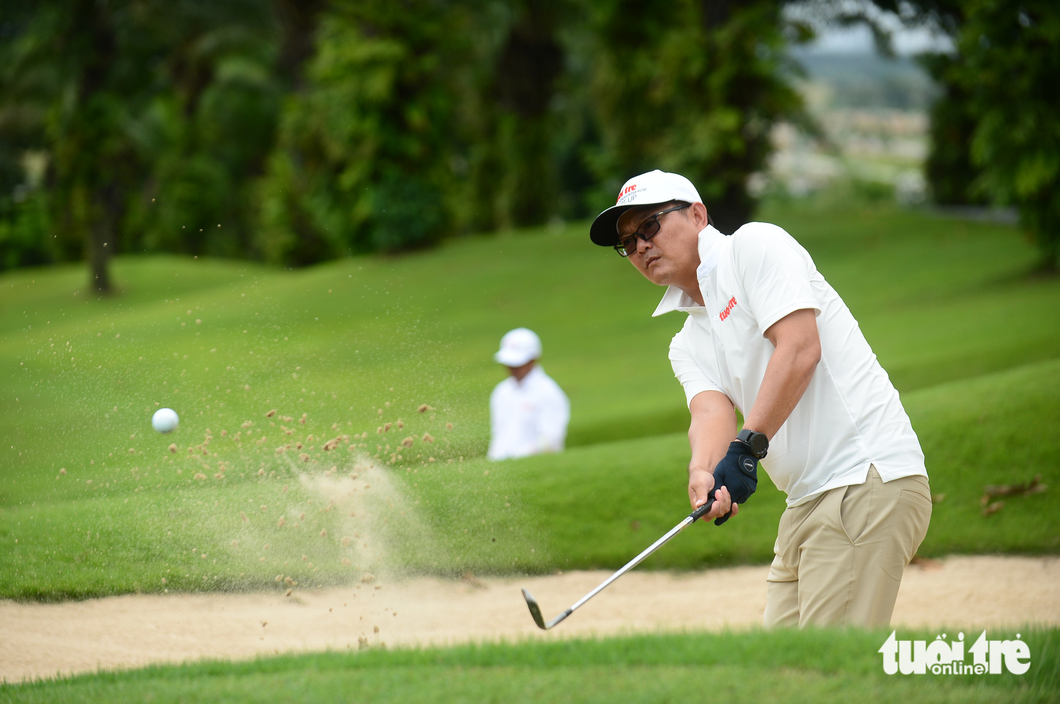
281	523
173	449
271	413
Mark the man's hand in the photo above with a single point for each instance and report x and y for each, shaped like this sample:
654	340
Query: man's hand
737	472
701	488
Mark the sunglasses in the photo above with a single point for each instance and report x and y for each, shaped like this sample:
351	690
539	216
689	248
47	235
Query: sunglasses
627	244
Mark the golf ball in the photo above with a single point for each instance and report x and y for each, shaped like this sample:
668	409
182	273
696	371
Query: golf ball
165	420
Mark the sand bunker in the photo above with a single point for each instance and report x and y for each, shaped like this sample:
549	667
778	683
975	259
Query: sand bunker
42	640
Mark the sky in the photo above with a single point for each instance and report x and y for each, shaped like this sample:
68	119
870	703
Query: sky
859	40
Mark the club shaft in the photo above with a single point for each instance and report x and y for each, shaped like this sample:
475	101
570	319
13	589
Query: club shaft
535	609
633	563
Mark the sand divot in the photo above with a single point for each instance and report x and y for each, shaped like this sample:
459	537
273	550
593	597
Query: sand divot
378	520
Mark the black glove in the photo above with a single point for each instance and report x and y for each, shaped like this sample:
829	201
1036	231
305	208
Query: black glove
738	472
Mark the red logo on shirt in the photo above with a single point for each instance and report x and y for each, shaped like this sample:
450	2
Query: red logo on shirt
728	309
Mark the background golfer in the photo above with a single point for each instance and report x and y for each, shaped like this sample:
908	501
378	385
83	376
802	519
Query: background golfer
529	412
767	335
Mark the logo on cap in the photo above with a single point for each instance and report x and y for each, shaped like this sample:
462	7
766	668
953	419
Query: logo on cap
625	192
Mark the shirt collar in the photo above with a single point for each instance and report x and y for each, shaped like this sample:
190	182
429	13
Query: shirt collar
531	376
675	298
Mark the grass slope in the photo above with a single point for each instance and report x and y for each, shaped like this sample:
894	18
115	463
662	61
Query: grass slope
93	502
788	666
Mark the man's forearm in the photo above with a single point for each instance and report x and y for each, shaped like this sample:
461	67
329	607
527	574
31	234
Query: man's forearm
788	374
712	428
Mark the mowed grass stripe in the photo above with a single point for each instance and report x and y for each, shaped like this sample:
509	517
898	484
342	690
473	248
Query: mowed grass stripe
590	507
788	666
92	501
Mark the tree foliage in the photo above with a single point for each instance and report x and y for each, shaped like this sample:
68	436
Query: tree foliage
949	168
302	130
694	90
364	157
994	133
1011	54
144	114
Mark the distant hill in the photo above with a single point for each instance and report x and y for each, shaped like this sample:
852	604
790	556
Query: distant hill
866	81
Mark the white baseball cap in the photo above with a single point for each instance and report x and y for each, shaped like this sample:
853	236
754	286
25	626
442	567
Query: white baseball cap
518	347
647	189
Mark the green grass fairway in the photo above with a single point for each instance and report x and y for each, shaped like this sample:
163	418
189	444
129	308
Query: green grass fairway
785	666
94	502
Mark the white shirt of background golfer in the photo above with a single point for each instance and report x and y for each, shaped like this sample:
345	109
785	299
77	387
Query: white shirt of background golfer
529	412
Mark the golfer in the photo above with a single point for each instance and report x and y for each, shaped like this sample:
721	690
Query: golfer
766	335
528	411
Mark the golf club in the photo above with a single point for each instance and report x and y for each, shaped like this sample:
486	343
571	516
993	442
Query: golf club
535	610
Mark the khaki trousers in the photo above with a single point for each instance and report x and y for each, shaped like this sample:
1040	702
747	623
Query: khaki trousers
840	557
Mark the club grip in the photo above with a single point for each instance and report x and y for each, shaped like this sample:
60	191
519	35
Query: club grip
702	510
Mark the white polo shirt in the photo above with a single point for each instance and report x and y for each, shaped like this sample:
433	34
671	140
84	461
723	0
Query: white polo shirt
527	417
849	417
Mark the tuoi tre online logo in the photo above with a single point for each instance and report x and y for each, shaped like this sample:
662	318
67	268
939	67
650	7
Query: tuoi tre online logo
948	658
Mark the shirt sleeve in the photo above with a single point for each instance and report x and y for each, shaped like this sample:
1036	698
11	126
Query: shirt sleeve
553	417
696	372
775	272
494	451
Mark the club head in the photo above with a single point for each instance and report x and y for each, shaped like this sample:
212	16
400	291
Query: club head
535	610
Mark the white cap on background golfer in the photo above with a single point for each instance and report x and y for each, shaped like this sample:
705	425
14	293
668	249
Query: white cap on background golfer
518	347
